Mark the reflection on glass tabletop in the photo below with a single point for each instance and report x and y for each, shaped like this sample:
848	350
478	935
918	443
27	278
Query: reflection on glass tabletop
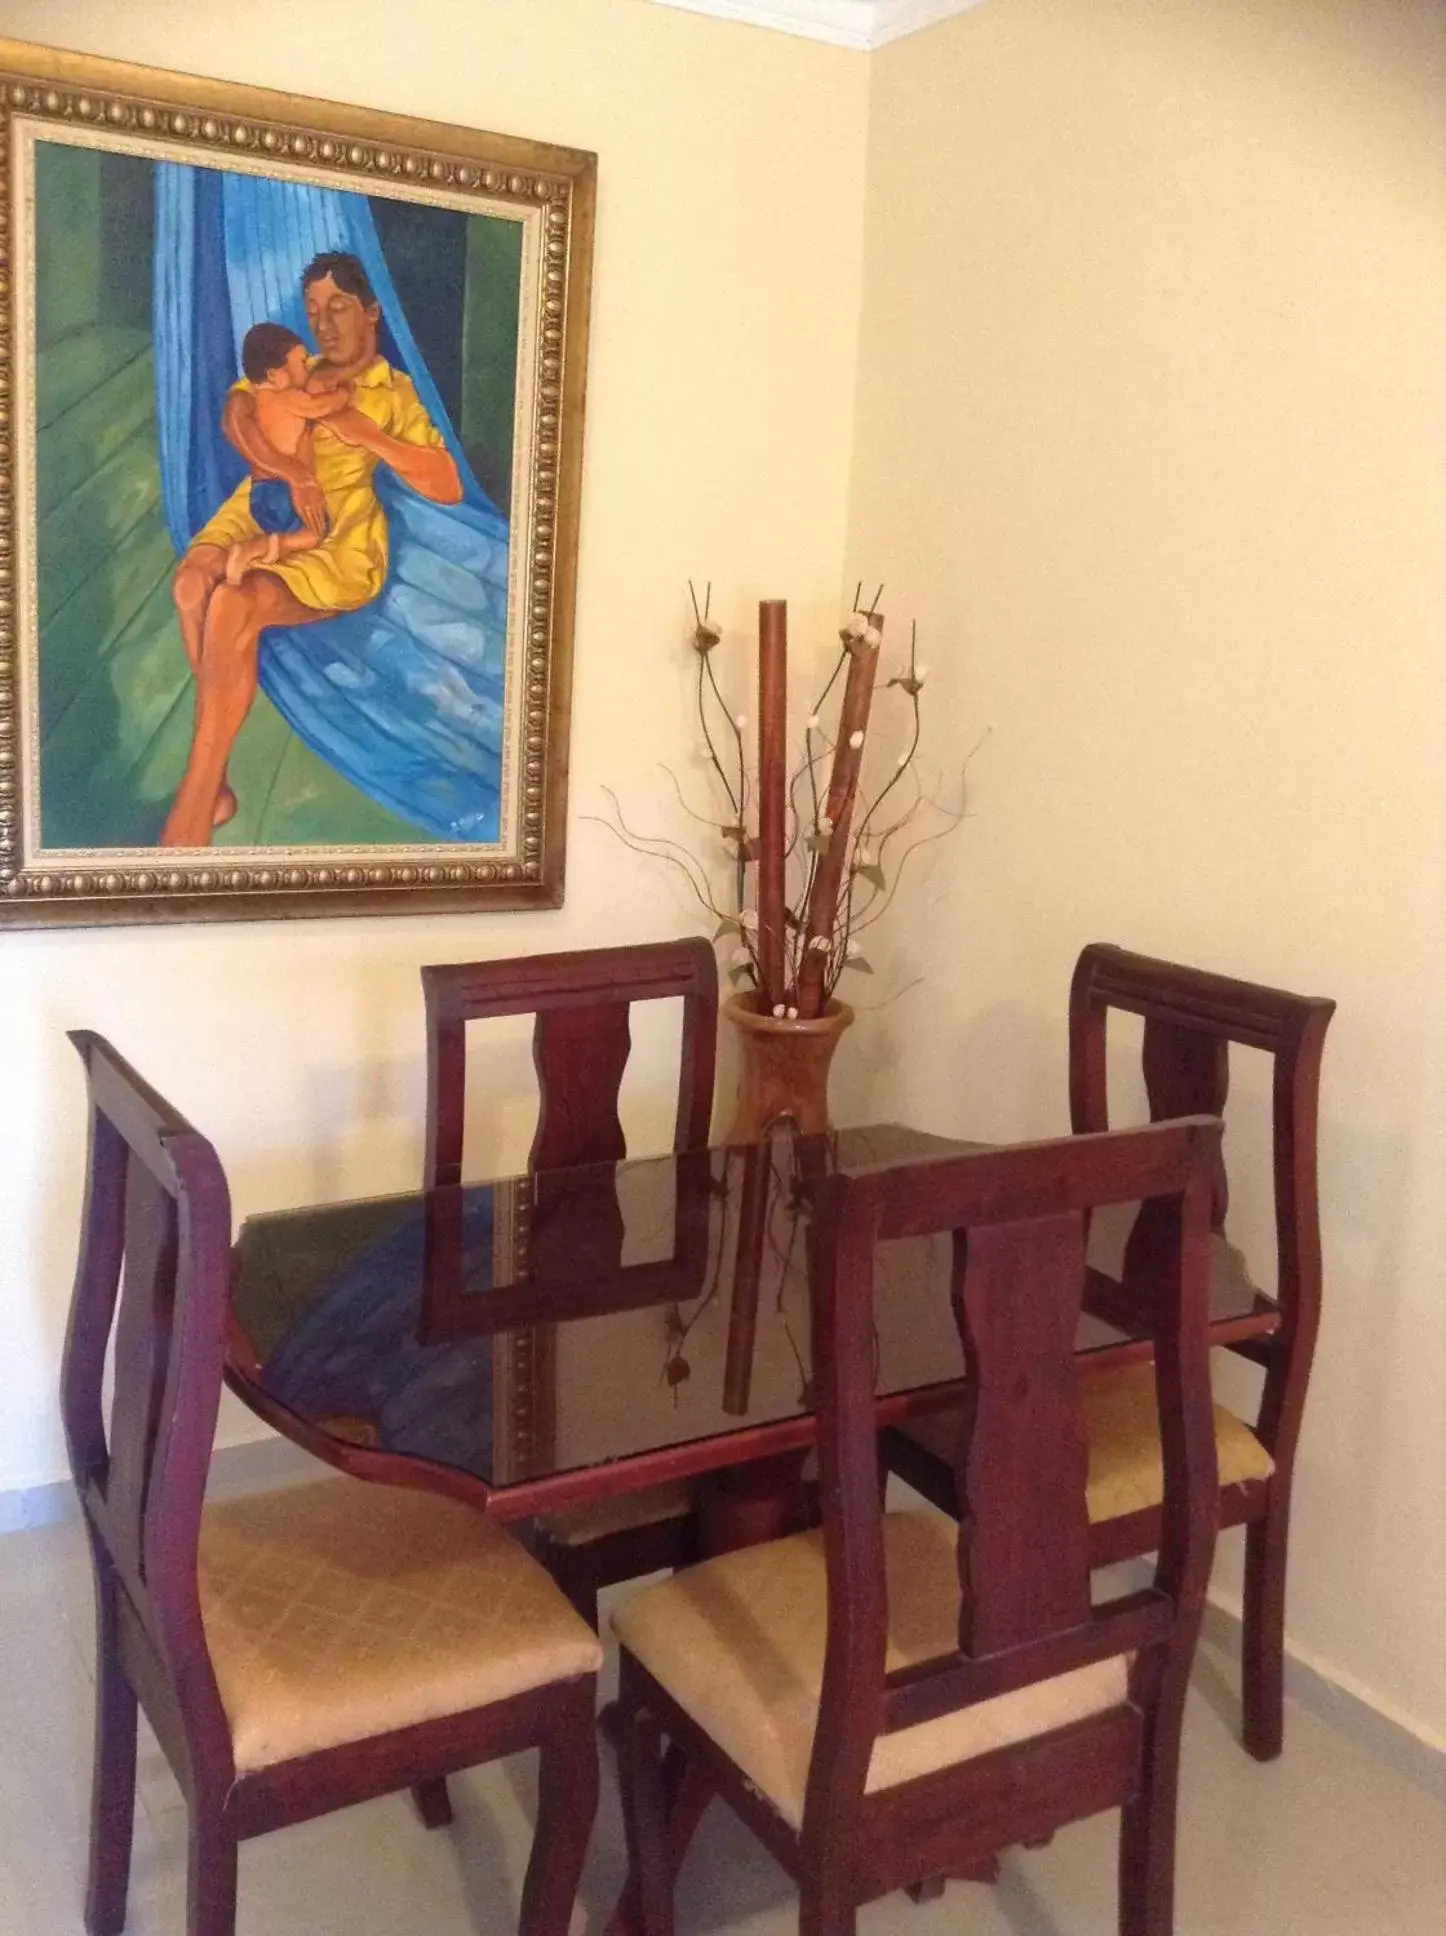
542	1324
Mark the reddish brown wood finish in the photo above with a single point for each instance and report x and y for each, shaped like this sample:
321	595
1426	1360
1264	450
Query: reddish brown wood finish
1019	1220
155	1242
927	1407
580	1044
761	1499
1191	1018
574	1266
690	1459
842	788
772	795
582	1003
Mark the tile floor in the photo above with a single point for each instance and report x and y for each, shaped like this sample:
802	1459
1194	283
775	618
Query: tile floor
1330	1841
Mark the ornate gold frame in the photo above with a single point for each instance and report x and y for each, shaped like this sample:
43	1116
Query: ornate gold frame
42	87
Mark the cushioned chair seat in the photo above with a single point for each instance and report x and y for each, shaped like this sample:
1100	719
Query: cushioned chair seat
739	1644
1126	1466
342	1610
1127	1472
576	1525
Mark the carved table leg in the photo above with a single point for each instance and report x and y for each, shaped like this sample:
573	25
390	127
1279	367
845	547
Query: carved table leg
747	1504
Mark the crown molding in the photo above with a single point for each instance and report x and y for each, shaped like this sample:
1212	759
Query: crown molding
861	24
893	19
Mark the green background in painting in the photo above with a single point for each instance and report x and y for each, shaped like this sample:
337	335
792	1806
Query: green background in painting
115	690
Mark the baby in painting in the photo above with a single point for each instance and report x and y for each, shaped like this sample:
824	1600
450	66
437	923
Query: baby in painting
290	398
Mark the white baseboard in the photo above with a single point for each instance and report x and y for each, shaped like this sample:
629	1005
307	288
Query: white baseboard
234	1468
1392	1736
36	1506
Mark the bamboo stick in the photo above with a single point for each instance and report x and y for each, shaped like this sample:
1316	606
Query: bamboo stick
772	792
822	909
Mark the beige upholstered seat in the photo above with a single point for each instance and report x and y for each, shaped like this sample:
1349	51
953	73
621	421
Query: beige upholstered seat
576	1525
739	1644
342	1610
1126	1466
1127	1472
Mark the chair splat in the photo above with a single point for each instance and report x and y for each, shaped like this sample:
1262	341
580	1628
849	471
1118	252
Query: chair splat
1023	1533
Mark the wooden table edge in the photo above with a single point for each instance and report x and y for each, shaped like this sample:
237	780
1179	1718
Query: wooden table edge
691	1459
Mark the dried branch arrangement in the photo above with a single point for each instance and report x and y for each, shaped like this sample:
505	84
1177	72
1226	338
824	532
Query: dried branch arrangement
812	854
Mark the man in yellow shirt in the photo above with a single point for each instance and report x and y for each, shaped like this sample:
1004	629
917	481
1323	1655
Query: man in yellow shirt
221	624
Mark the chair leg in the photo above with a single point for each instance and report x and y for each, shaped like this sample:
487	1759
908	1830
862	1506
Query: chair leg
567	1793
986	1869
645	1819
434	1804
210	1877
113	1783
1147	1827
1263	1633
686	1795
824	1909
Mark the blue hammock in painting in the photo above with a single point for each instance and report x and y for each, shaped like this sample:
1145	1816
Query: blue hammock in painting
405	695
353	1351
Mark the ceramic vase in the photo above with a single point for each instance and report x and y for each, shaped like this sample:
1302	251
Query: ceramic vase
785	1067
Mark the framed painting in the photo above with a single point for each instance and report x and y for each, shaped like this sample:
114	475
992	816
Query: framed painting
291	406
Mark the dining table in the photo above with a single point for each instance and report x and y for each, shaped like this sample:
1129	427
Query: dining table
541	1340
538	1341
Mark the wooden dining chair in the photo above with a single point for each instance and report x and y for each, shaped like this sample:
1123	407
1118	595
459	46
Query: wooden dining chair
1191	1018
871	1722
294	1651
581	1039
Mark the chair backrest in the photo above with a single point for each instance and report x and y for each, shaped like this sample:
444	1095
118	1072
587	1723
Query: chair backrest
1191	1018
1018	1217
154	1265
580	1044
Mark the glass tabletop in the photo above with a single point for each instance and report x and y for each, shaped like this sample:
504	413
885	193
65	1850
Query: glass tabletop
539	1325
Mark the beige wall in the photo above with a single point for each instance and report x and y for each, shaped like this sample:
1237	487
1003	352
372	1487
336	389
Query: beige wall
1150	439
720	399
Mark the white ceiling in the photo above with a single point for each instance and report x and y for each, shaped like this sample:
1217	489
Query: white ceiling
846	23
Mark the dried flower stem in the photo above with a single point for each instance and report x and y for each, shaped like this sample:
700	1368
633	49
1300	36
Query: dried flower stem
821	853
657	847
